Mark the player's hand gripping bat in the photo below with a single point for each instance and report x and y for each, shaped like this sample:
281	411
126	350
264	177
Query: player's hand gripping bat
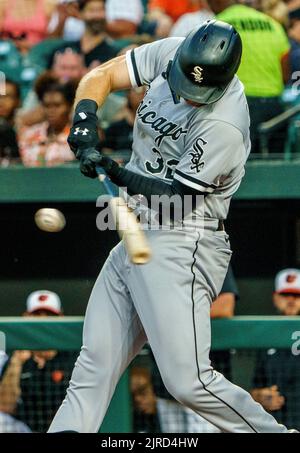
127	224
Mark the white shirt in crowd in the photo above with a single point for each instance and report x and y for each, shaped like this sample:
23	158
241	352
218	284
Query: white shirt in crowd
189	21
131	10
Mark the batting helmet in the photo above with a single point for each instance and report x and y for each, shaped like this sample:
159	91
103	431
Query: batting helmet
205	63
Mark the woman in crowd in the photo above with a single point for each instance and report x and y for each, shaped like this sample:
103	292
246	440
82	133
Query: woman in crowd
45	143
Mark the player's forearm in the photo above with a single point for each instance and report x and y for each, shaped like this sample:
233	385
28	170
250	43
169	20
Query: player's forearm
101	81
10	387
96	86
136	184
148	187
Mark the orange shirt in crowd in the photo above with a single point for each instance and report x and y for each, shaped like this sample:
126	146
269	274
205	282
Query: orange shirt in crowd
174	8
37	149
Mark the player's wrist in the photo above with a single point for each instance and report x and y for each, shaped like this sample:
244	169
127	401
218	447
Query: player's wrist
86	106
86	114
84	131
111	167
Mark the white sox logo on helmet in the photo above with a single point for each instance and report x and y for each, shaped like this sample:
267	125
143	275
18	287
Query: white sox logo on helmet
197	74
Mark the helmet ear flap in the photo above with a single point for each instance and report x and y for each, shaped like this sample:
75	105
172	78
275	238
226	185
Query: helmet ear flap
176	97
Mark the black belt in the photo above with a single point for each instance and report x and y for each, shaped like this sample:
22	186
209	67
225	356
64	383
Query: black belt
221	226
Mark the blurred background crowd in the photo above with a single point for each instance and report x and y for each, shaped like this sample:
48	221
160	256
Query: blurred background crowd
46	46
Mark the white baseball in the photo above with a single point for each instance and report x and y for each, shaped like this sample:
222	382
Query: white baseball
50	220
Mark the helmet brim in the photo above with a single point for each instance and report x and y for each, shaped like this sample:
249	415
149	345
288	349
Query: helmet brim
186	89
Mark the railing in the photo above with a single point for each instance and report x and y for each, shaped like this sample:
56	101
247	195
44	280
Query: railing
242	336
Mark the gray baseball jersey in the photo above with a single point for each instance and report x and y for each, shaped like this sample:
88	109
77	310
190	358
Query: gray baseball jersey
167	301
205	148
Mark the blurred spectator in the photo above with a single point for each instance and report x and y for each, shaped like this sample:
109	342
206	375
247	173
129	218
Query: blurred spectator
33	383
23	49
173	8
9	103
188	21
152	414
46	143
145	411
174	416
223	307
264	67
276	379
67	65
66	22
294	36
164	13
119	135
25	22
292	4
94	44
276	9
123	17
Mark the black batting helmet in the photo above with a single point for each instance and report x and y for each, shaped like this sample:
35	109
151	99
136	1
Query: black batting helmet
205	63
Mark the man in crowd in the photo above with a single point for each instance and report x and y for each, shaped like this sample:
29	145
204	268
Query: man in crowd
67	65
94	44
145	404
33	383
277	374
123	17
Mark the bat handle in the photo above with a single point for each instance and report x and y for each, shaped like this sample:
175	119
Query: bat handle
101	173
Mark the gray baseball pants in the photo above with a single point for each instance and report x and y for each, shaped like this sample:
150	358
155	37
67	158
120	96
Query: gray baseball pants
166	302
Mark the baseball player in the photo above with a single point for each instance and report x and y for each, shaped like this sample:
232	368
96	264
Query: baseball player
191	137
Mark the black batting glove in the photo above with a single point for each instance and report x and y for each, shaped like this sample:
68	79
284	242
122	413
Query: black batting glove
83	133
89	159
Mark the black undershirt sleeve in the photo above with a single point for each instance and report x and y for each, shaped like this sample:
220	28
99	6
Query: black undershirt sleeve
139	184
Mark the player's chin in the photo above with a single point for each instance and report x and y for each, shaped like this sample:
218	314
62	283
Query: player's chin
292	311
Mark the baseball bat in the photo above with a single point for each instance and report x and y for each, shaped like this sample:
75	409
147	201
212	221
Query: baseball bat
127	224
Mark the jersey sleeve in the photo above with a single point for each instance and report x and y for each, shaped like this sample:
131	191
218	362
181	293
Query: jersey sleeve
210	155
147	62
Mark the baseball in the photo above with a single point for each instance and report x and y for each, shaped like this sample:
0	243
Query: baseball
50	220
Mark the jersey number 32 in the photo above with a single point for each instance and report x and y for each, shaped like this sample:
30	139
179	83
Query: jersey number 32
160	167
